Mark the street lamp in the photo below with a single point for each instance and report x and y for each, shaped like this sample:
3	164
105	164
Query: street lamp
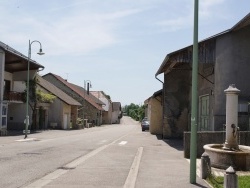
194	110
28	82
88	83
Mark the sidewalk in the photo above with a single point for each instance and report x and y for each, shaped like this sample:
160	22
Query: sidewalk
138	160
41	134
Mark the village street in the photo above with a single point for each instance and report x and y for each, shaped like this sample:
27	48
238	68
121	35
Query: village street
118	155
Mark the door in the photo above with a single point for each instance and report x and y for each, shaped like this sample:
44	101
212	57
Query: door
204	113
42	118
65	121
4	114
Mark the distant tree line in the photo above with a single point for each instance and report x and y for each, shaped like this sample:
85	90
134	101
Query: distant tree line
137	112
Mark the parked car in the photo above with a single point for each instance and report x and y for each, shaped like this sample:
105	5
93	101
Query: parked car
145	124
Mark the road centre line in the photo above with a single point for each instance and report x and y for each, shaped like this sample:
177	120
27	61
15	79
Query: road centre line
132	175
57	173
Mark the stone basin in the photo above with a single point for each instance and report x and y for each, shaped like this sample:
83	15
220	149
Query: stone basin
220	158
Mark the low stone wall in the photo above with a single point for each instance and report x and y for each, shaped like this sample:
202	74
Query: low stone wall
209	137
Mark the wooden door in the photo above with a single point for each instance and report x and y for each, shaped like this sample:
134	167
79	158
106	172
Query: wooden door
204	113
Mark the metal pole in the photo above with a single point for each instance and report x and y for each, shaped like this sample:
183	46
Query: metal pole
28	83
194	111
27	93
84	103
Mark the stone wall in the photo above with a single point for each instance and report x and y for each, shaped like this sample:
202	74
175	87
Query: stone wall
217	137
176	102
90	112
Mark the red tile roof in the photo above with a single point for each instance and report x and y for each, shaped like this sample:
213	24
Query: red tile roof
79	90
56	91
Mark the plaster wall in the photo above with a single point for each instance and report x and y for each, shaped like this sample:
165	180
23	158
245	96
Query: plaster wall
17	115
55	113
19	86
232	67
115	116
90	112
176	102
155	116
8	76
106	114
22	75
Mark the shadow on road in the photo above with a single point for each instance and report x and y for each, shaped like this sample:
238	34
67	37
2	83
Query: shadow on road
173	142
20	133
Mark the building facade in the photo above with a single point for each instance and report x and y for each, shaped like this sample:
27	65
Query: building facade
224	59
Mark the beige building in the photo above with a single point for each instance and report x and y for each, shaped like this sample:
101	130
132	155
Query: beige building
13	76
116	112
154	113
61	113
91	109
107	106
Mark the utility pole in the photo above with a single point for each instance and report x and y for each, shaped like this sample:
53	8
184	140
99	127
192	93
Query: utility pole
194	111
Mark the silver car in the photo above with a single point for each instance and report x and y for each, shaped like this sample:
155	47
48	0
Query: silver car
145	124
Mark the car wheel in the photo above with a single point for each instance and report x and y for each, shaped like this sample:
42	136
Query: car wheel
143	129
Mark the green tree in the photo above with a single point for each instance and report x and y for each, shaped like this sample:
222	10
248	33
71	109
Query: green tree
37	96
137	112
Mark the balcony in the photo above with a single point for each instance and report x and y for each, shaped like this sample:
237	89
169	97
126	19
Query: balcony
14	96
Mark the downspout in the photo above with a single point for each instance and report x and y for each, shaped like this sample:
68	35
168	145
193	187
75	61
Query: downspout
158	79
163	93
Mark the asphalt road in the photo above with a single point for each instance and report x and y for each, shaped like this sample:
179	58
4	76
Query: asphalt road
22	162
118	155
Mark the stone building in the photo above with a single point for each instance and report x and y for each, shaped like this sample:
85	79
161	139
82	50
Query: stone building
224	59
90	111
107	106
61	113
153	112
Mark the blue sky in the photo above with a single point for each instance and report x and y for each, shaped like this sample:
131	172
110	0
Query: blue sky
117	44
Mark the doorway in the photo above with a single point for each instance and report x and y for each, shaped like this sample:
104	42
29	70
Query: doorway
65	121
204	113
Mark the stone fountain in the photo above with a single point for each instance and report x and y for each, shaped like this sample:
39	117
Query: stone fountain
230	153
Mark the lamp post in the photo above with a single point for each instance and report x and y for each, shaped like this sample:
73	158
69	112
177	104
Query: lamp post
194	111
28	82
88	83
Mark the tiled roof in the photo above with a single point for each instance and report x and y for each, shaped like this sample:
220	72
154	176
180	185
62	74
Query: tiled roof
77	90
90	95
57	92
166	62
16	61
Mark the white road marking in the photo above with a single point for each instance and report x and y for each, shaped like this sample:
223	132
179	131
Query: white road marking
57	173
132	175
27	140
123	143
101	142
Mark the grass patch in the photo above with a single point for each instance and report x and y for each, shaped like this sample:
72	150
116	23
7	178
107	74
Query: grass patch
243	181
216	181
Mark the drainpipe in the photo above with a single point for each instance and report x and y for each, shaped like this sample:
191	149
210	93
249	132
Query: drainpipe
163	93
2	65
158	79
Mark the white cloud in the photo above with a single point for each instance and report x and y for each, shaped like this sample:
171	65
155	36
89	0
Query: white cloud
78	32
